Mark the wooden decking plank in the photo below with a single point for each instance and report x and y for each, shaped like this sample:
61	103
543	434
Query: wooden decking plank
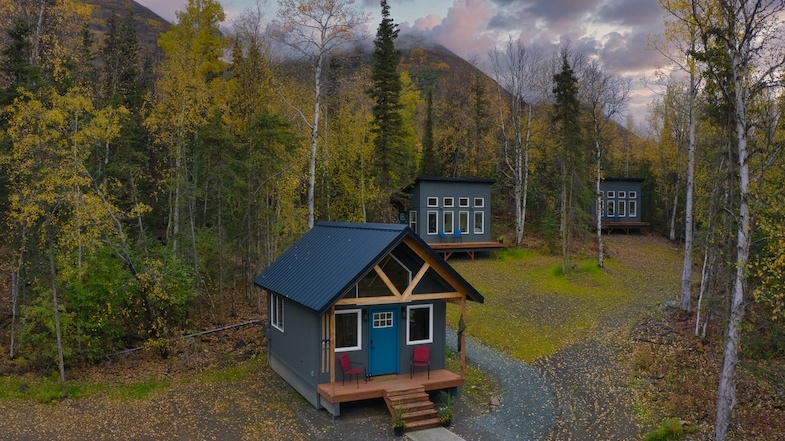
440	379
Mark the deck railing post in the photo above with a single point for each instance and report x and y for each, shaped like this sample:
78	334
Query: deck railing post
332	350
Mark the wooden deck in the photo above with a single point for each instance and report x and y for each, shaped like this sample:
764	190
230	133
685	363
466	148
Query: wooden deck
377	387
609	226
448	248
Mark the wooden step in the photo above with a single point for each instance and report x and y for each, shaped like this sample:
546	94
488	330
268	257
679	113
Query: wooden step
420	412
423	424
423	414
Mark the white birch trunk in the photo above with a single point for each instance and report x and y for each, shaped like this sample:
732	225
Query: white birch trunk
686	276
726	394
314	139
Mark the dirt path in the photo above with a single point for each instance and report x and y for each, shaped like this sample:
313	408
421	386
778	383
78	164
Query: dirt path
591	377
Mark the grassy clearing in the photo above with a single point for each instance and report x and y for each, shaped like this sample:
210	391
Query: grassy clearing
531	309
47	389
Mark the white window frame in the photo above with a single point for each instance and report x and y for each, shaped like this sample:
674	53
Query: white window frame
479	202
611	195
385	320
448	201
463	214
622	195
359	345
449	228
409	309
611	207
632	208
632	195
277	312
463	202
433	201
622	207
481	223
413	220
435	230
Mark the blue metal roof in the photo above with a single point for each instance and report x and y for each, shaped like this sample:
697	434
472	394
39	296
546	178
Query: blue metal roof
332	257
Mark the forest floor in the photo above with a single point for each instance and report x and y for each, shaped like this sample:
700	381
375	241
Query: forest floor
619	367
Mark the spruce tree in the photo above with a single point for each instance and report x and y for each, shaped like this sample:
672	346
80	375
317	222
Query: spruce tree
386	94
571	155
429	164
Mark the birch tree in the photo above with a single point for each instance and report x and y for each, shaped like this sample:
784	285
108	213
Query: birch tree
605	95
316	29
746	38
680	47
516	73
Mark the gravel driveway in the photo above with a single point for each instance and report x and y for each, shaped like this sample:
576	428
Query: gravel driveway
528	404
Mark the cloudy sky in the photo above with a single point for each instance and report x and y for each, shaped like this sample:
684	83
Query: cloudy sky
616	31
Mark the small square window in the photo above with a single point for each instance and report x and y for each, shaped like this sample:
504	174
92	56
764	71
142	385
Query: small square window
632	195
479	202
622	195
449	202
463	202
611	194
433	202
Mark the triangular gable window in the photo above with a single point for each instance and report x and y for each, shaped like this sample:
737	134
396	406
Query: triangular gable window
372	285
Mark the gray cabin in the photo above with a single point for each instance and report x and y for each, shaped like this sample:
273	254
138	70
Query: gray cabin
621	202
373	292
452	214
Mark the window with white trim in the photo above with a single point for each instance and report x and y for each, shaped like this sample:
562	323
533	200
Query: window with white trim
419	324
382	319
433	202
622	195
433	222
622	207
611	208
632	208
449	202
413	220
479	202
463	202
611	194
463	221
276	311
447	222
632	195
348	330
479	222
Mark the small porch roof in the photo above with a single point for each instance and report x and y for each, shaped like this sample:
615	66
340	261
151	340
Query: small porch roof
333	256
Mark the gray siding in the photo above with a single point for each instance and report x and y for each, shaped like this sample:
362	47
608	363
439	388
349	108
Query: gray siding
617	188
297	348
455	189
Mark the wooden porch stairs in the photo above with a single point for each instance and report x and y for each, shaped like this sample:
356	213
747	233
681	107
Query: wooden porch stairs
419	409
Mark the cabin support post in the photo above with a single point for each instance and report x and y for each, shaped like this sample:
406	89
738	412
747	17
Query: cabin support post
462	336
332	350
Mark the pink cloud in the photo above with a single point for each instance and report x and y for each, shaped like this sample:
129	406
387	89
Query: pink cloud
463	30
427	23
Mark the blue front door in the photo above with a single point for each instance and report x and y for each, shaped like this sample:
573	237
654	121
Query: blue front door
383	339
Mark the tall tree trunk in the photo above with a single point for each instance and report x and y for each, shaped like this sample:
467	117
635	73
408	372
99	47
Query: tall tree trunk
314	138
563	226
55	307
726	394
686	276
598	197
672	234
525	171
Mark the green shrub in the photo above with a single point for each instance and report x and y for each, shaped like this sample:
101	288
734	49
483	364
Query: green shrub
671	429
